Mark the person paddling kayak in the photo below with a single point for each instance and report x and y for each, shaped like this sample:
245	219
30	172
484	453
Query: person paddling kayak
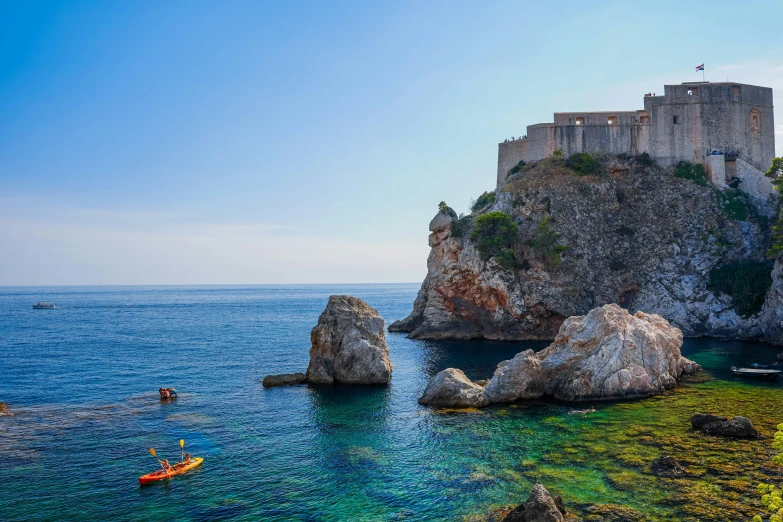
168	470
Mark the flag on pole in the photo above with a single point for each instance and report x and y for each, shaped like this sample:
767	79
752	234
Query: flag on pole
700	67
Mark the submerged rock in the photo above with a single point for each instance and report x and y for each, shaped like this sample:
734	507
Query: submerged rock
736	427
349	344
667	467
540	507
613	513
284	379
451	387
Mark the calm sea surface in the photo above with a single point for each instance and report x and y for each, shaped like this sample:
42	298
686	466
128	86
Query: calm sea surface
82	381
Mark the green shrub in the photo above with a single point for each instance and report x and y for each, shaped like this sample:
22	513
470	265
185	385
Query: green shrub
776	169
483	201
777	239
544	242
583	163
443	207
616	265
733	203
625	230
644	159
558	155
494	234
460	225
746	282
517	168
772	496
692	171
506	259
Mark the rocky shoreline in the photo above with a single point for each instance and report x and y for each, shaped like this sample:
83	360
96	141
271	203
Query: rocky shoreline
608	354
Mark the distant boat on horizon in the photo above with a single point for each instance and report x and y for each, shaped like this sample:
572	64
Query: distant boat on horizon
43	306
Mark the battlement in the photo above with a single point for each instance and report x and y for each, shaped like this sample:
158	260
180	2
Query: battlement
689	122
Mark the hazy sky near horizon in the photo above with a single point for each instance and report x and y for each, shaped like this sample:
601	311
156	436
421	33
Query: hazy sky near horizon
242	142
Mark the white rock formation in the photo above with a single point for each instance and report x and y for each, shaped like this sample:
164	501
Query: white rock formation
606	354
452	388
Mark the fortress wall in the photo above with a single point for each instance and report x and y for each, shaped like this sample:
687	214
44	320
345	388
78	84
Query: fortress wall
611	139
509	154
672	142
713	117
754	182
716	167
539	144
596	118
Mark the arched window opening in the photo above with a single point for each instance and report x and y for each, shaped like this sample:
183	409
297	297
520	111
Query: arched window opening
644	120
580	121
612	120
692	91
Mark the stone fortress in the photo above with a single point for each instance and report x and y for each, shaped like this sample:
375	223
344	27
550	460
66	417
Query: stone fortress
727	127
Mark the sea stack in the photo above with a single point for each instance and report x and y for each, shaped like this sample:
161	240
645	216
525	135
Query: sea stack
349	345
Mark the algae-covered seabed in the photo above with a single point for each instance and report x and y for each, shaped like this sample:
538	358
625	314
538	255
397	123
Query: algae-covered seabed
604	457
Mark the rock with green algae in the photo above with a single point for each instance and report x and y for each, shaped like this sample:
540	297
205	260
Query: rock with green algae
737	427
612	513
539	507
3	409
667	466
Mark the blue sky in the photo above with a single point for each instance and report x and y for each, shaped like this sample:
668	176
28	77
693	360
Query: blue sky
293	142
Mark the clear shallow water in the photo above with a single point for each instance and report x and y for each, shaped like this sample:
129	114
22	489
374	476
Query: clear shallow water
83	380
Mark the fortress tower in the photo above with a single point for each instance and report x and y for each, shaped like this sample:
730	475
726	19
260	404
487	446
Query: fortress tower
727	127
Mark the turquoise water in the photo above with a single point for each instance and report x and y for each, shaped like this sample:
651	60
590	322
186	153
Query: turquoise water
82	381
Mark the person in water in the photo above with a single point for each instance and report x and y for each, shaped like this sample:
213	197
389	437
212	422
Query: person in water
167	393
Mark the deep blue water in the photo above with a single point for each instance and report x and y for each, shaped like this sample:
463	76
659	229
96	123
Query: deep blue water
82	381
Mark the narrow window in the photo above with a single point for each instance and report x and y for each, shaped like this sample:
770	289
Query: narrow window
735	89
676	119
754	120
612	120
580	121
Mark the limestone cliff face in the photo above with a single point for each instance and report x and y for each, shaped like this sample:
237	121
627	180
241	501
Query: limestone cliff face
772	313
636	236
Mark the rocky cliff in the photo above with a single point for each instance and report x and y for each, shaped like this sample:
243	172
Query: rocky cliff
632	234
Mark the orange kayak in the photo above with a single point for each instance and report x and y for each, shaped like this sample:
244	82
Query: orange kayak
176	469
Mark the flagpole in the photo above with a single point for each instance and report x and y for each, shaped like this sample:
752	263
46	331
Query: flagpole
702	73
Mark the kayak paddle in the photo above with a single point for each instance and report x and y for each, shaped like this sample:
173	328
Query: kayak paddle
182	449
152	450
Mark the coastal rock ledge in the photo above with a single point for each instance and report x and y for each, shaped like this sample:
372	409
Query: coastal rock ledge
349	345
604	355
